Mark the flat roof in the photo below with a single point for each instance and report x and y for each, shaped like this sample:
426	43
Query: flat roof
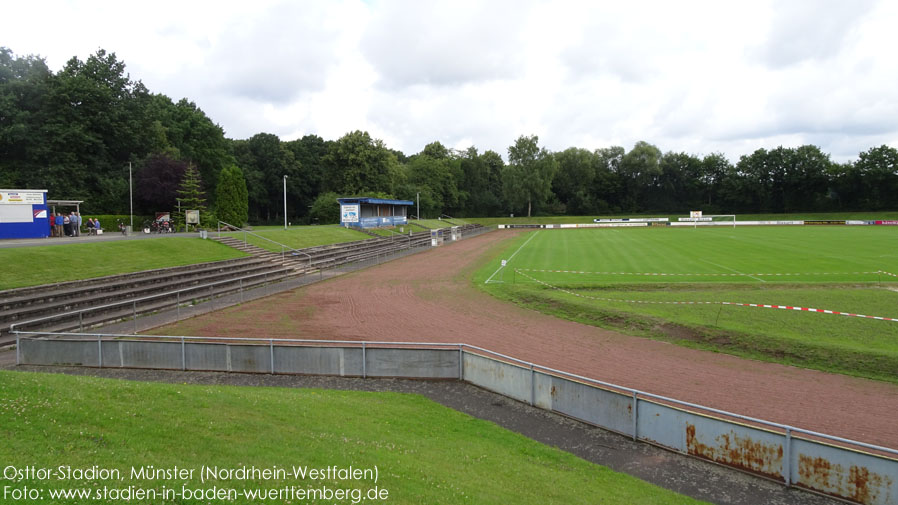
375	201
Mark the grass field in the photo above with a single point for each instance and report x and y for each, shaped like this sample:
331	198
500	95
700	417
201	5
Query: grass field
424	453
491	221
32	266
298	237
631	276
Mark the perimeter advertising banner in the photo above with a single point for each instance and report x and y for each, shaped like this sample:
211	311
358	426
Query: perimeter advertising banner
21	197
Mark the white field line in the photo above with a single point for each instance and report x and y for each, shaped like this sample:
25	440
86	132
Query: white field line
510	258
733	270
758	305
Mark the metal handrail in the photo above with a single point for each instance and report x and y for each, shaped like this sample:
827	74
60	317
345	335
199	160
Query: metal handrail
284	247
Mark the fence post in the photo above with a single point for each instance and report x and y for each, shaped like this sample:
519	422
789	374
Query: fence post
18	350
532	386
100	350
271	349
134	308
364	362
787	458
183	355
635	416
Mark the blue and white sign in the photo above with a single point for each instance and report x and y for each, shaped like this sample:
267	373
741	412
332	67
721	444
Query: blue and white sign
349	213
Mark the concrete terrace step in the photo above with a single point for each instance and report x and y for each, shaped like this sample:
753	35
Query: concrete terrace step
71	321
72	303
35	302
36	292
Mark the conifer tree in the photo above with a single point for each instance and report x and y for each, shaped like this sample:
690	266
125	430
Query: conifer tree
191	195
231	198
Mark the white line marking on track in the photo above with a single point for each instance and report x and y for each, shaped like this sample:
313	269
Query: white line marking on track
512	256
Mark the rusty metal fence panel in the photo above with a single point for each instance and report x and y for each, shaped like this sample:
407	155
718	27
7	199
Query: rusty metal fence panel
853	475
608	409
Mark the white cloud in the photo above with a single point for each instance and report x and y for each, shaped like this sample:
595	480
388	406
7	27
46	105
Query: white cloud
697	76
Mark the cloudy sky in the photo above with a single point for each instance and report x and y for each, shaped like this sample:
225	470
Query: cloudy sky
694	76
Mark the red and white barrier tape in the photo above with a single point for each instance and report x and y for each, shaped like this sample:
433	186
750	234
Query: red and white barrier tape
758	305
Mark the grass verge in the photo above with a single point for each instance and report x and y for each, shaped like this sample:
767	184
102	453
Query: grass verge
299	237
33	266
424	453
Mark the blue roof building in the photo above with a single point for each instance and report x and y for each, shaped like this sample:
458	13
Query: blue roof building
361	212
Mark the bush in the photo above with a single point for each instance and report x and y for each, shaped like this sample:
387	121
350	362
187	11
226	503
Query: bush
325	209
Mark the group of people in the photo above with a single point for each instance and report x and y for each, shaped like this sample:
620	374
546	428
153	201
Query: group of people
69	225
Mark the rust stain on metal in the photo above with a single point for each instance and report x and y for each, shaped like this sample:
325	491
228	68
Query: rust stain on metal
857	484
737	451
553	391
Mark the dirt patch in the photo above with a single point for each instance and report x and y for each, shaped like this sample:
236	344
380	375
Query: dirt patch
435	302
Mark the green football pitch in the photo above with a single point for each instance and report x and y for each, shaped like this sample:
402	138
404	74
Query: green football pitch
697	287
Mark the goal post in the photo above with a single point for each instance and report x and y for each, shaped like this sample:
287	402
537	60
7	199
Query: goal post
724	218
696	217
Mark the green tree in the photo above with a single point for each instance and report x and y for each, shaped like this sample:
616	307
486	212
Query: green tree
325	209
639	171
192	196
232	199
878	167
265	161
575	177
527	179
357	164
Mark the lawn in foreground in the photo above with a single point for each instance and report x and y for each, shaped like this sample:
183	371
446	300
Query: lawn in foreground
33	266
835	268
424	453
298	237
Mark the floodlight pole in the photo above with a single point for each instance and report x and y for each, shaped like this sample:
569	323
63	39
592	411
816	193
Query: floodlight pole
285	202
419	206
131	195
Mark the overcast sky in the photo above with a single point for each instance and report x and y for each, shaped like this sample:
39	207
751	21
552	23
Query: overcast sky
694	76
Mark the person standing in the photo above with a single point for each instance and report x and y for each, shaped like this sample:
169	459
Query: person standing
59	224
76	224
67	225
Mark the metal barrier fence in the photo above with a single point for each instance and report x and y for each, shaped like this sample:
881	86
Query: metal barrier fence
851	470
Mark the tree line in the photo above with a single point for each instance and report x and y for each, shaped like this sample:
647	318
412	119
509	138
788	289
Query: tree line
75	131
